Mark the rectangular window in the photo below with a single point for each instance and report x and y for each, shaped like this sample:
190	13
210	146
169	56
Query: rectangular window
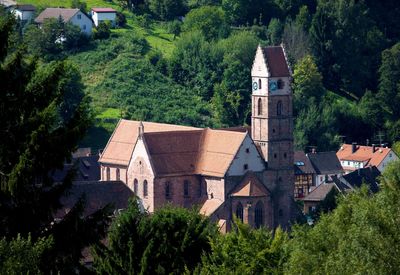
84	27
79	16
245	167
186	188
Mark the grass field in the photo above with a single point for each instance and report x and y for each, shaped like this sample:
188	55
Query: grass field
67	3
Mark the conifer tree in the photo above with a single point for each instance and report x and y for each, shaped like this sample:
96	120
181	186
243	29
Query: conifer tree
43	115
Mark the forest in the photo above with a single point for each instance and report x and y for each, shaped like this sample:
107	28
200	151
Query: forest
188	62
157	66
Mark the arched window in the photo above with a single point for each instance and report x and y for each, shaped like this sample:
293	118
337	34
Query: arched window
281	84
117	174
108	173
259	84
186	184
258	214
239	211
279	108
135	186
167	189
259	106
145	188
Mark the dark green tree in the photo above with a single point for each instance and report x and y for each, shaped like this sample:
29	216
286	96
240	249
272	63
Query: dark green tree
246	251
167	9
275	31
44	114
171	240
210	20
359	236
23	256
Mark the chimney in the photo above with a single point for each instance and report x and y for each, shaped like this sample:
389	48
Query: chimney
373	148
140	130
353	147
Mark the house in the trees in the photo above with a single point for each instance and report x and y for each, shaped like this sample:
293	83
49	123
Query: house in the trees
342	185
304	175
326	165
103	15
24	12
227	172
353	156
73	16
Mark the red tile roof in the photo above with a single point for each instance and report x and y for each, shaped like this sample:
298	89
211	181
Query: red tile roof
319	193
276	61
107	10
66	14
250	187
175	149
363	154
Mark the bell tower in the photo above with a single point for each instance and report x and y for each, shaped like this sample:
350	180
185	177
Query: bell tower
272	124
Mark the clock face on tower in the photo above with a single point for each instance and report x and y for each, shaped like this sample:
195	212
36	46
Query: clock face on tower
255	86
272	86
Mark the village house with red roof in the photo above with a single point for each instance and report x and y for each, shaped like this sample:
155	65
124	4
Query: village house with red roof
353	157
243	172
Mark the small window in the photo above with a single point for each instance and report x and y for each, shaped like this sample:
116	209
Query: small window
167	189
239	211
275	156
284	155
186	184
259	84
84	27
279	108
117	174
247	150
280	212
258	215
281	84
245	167
259	106
79	16
108	173
273	130
135	186
145	191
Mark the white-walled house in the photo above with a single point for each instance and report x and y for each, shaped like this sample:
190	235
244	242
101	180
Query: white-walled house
103	14
24	12
353	157
73	16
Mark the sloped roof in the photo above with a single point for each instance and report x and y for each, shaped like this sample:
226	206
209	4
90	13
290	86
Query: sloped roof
66	14
97	195
363	154
325	163
302	164
250	187
276	61
105	10
87	169
174	152
210	206
319	193
217	151
367	176
25	7
175	149
122	142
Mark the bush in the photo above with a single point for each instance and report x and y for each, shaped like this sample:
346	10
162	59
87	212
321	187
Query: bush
102	31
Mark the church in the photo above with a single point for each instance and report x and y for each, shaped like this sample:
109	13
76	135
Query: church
246	172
